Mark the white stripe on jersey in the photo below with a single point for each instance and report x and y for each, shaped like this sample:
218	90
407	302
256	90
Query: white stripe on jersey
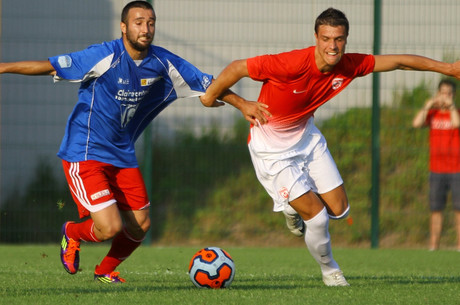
180	85
100	68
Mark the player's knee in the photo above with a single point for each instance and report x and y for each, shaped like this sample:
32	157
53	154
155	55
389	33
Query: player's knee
109	231
144	226
340	213
340	209
138	230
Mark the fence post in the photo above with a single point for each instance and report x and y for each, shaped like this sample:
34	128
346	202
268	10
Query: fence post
148	168
375	192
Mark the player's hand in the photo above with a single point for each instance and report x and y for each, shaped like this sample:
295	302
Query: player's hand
448	101
255	112
442	101
430	103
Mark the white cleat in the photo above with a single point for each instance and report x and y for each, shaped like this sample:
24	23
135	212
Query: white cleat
295	224
335	279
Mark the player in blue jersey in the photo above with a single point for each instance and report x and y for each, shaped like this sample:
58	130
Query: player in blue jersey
125	83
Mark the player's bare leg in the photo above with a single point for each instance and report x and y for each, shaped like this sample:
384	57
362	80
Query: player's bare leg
311	208
107	222
436	218
336	202
308	205
457	225
137	223
101	226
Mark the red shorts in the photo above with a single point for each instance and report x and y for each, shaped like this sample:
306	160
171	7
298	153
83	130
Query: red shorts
96	185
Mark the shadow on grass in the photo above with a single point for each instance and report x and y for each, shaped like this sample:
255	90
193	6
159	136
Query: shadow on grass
266	282
281	283
405	279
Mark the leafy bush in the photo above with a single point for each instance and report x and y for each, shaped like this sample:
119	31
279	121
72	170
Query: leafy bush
204	189
38	214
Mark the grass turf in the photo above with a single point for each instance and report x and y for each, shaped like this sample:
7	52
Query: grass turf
32	274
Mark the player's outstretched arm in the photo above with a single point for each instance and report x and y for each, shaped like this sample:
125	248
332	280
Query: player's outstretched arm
231	74
253	112
384	63
41	67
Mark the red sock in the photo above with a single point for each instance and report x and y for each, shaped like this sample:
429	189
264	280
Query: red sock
122	247
82	231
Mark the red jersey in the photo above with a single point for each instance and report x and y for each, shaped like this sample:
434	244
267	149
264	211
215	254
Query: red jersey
444	143
293	88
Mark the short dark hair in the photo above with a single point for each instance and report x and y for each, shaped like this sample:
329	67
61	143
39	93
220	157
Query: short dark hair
448	82
332	17
133	4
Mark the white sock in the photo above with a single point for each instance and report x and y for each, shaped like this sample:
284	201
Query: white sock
342	216
318	242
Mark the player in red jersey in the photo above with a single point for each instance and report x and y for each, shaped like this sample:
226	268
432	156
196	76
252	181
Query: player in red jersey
289	153
442	117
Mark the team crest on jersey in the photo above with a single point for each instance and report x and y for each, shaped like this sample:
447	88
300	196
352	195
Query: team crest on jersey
337	83
205	82
65	61
284	193
149	81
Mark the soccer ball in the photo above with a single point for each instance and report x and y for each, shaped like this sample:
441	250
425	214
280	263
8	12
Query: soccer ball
211	267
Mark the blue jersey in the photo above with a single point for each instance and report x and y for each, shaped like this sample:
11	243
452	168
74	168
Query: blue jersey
117	98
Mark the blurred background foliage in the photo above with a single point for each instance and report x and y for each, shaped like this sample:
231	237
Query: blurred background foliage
205	190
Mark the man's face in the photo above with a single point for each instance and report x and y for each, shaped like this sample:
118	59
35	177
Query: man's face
330	46
444	97
140	28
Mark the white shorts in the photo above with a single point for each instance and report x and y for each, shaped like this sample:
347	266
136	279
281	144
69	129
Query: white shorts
307	165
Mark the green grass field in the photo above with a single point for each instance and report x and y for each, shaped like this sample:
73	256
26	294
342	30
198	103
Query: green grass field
32	274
